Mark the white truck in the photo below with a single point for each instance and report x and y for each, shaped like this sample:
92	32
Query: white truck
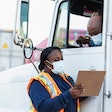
69	21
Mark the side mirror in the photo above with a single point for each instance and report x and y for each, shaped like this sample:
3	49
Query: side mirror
28	48
28	51
23	33
21	22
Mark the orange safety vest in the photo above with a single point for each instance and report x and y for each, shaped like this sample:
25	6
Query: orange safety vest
50	85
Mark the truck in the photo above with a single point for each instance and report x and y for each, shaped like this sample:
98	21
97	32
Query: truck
69	21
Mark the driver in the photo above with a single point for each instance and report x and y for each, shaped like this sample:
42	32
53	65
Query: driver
94	28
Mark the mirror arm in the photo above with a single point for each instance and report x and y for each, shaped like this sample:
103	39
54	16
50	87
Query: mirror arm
39	49
34	65
15	25
20	43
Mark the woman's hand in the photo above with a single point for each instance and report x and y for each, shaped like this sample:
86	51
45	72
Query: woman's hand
76	90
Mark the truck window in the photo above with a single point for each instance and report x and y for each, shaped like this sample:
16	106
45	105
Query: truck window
24	19
61	26
77	27
72	21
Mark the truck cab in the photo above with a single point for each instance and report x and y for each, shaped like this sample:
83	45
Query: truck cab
70	21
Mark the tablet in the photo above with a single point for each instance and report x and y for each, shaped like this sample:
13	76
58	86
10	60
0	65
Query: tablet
92	81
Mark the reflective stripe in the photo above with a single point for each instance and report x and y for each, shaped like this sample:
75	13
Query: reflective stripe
78	105
47	84
55	87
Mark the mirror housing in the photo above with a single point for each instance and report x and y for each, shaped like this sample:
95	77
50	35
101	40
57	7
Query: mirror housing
21	22
28	48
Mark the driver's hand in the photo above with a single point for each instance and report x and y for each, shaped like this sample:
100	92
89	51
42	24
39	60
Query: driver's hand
83	40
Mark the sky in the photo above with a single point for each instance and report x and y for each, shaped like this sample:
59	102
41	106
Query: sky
7	14
40	17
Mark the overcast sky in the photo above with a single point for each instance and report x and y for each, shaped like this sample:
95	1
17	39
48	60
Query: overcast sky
7	13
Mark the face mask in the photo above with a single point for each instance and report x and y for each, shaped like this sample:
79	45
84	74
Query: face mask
58	67
97	39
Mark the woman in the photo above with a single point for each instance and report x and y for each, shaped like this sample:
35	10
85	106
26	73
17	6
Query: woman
51	91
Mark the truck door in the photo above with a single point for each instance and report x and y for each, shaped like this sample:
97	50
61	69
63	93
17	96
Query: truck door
70	21
108	57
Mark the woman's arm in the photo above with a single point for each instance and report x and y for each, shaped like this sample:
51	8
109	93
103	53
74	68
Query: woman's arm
42	101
